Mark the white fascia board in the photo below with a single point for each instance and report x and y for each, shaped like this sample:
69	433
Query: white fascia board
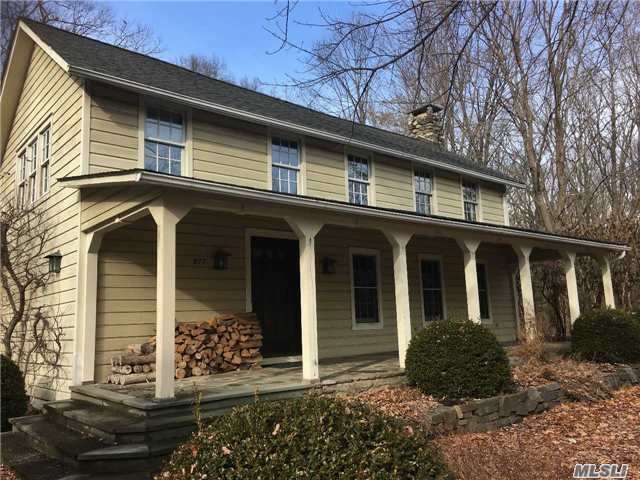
272	122
45	46
203	186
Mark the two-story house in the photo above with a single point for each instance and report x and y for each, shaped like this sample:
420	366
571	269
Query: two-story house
172	196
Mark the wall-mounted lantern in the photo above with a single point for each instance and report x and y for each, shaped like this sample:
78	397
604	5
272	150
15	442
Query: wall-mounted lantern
55	261
221	260
328	265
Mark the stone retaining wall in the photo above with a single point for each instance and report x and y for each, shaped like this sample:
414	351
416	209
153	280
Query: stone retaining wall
487	414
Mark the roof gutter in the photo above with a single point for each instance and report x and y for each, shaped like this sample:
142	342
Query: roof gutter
269	121
151	178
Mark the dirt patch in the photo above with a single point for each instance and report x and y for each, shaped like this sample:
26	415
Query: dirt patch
401	402
547	446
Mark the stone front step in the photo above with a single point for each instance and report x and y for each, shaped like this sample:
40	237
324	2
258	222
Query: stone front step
85	453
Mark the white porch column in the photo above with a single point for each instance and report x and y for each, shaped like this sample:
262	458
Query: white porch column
469	248
86	299
569	267
526	286
306	231
166	217
399	241
607	282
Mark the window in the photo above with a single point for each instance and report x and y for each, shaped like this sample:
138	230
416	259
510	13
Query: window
22	180
483	291
432	294
285	165
423	182
164	141
358	174
32	171
365	289
45	138
470	199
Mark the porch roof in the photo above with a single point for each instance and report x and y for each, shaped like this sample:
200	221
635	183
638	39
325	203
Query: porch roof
141	177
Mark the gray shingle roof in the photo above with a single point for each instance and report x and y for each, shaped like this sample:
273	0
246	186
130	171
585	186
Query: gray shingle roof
85	53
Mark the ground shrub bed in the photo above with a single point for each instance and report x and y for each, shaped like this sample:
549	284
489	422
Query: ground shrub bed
547	446
14	400
610	336
312	437
456	360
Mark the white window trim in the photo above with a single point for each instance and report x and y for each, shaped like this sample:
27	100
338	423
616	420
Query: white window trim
443	293
25	146
249	233
42	162
434	189
488	320
479	199
506	208
374	253
302	168
187	117
371	190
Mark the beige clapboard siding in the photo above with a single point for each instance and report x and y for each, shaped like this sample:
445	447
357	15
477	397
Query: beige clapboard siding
229	151
113	143
492	204
393	183
49	95
100	205
325	170
449	194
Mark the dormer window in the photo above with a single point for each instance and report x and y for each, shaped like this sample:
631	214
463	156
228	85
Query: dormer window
285	165
423	184
470	201
358	170
164	142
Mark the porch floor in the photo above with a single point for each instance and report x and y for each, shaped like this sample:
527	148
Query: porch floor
266	380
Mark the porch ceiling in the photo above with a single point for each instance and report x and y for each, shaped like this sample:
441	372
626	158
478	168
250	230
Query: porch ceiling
212	195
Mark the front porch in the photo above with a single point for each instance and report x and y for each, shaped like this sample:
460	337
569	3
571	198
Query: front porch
140	265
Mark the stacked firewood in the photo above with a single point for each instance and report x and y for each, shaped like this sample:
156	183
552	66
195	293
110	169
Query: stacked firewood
136	365
224	343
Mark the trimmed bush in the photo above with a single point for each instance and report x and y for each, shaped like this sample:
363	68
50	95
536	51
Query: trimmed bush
309	437
606	335
14	400
455	360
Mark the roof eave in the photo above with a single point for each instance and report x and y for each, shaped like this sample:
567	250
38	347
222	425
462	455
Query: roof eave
132	177
272	122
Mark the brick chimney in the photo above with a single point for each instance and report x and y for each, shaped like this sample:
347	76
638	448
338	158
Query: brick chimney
425	123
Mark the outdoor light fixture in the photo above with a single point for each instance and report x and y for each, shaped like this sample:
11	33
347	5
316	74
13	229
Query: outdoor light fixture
221	260
55	261
328	265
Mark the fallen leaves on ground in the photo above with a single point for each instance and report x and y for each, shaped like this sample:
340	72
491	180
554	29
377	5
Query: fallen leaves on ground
582	381
7	474
548	445
400	402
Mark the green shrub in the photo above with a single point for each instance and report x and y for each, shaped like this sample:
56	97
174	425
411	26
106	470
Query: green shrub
309	437
606	335
14	400
456	360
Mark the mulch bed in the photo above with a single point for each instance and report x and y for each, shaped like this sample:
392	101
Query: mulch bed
547	446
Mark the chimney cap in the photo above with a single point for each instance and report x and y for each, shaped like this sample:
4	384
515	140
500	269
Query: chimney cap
434	107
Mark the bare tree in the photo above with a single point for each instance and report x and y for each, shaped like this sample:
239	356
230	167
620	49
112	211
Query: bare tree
211	66
31	332
93	19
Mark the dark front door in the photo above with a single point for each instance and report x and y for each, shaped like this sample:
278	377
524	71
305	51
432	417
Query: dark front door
275	294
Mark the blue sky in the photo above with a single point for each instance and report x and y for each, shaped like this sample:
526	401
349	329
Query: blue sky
233	30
